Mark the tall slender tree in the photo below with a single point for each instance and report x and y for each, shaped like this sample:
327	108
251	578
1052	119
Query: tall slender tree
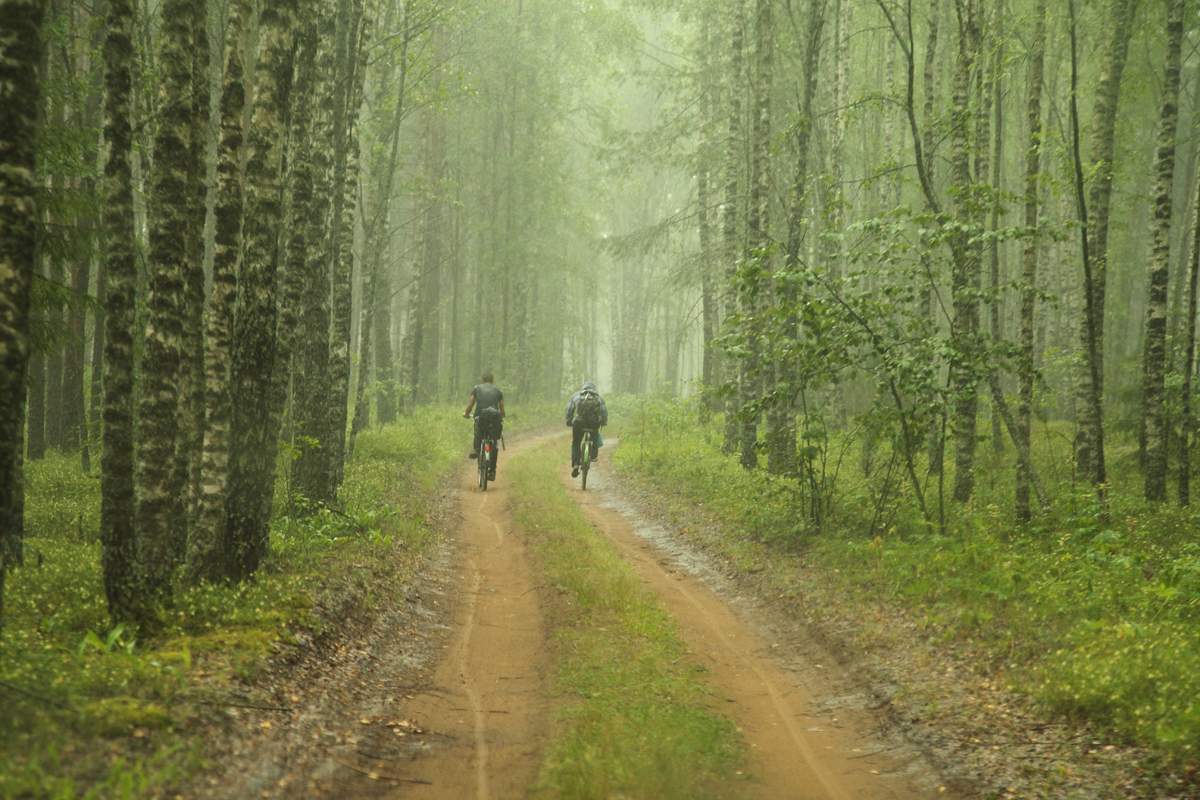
1094	215
753	283
731	204
118	556
1187	422
964	281
311	394
205	556
20	53
1155	364
160	485
252	465
1027	373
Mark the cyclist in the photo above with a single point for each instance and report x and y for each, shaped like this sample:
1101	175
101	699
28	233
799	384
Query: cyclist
487	403
585	412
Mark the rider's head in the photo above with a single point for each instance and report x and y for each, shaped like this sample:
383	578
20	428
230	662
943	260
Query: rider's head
588	386
488	377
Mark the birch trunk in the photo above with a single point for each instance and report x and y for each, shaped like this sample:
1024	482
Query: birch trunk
204	542
20	95
1027	370
1154	371
1089	444
118	558
160	485
252	467
729	212
1187	422
755	278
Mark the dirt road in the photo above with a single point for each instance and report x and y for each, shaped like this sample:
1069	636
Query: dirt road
806	740
485	711
447	694
443	695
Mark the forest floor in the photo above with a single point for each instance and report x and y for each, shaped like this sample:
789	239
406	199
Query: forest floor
456	688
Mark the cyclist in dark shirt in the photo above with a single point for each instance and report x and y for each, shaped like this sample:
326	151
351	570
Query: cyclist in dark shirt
487	403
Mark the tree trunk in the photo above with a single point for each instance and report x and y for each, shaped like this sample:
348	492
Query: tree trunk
192	371
964	326
1154	372
312	382
1187	423
20	96
74	425
35	425
995	303
350	55
755	283
1090	438
97	371
161	507
782	449
252	467
1027	370
205	557
55	322
729	213
710	365
118	556
300	240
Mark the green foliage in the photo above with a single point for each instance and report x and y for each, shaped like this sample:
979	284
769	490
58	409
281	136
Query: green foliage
1097	620
98	711
61	501
637	725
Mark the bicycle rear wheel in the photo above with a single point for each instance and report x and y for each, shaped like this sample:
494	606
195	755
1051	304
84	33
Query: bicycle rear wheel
483	467
585	456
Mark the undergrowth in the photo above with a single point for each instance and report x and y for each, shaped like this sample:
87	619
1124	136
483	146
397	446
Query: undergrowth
636	724
1095	620
92	710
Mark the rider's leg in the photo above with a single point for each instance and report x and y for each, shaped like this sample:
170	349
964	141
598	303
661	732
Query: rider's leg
496	450
576	438
478	440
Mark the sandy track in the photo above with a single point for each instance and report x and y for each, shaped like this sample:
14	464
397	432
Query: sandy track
447	694
441	695
485	710
799	748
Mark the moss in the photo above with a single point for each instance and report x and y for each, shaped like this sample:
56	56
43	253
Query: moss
121	716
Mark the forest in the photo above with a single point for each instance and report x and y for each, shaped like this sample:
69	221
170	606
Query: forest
894	303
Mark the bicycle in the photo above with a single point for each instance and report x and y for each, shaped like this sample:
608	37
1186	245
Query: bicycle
586	450
488	450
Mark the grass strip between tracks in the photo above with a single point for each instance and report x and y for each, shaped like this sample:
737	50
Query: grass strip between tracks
638	722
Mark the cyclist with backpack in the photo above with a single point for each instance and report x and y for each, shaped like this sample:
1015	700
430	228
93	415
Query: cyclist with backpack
487	403
585	412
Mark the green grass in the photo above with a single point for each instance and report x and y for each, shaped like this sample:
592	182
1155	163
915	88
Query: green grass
92	711
638	722
1095	620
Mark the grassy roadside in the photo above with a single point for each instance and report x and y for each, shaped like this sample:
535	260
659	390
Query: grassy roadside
638	724
92	711
1096	622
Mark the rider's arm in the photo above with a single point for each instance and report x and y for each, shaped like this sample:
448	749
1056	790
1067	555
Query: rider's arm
603	412
502	409
570	411
471	405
